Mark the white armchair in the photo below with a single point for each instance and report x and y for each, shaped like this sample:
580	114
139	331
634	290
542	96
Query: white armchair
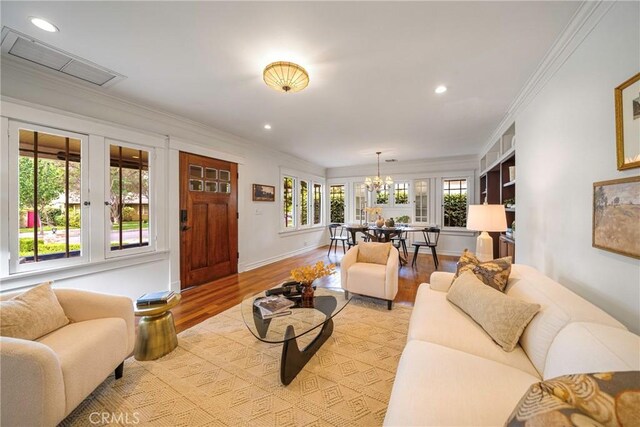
370	279
45	379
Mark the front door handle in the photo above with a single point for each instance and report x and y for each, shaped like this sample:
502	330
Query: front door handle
185	228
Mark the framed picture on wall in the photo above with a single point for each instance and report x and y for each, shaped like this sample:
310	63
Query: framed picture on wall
264	193
627	99
616	215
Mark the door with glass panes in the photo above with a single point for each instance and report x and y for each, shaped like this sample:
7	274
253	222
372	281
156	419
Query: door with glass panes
208	219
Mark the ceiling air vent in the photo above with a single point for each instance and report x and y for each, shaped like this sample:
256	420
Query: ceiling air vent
34	51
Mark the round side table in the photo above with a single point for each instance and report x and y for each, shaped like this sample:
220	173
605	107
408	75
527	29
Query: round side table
156	331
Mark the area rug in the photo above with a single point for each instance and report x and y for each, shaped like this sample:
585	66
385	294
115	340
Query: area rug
221	375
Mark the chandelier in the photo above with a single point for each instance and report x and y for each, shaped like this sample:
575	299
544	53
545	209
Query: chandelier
377	184
285	77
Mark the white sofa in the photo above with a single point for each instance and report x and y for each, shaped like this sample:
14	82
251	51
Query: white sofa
42	381
451	373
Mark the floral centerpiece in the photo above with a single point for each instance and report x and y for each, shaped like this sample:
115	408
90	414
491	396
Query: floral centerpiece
307	275
374	211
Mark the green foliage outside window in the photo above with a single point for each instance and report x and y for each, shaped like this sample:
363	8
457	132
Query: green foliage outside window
455	210
337	204
382	198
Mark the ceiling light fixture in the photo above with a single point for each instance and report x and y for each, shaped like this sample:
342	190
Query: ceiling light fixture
43	24
377	184
267	126
285	77
441	89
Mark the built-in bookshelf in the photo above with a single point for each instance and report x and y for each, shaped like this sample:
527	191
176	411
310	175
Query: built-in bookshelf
498	185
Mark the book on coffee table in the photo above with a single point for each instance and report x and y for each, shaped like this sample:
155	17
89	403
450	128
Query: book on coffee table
272	305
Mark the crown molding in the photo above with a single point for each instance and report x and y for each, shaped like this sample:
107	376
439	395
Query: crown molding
583	21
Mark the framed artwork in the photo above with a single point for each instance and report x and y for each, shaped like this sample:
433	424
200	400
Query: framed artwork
627	99
616	215
264	193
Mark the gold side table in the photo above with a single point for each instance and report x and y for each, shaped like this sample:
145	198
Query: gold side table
156	331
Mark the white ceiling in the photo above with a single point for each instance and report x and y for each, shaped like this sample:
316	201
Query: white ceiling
373	67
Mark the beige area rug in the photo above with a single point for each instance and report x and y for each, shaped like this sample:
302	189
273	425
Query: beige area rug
221	375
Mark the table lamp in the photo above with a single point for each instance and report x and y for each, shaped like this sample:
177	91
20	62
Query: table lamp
485	218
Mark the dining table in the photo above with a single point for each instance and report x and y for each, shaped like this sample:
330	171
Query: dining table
383	234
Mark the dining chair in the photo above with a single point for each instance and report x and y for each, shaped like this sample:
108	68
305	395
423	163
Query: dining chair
336	234
431	236
400	242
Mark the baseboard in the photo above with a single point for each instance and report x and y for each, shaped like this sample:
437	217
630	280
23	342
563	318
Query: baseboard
271	260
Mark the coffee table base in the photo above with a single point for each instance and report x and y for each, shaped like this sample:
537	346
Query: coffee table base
293	359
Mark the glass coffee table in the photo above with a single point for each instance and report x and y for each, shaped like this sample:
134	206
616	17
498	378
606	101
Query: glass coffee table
287	329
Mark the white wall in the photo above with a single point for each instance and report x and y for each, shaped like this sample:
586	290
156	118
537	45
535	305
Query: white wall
565	142
259	239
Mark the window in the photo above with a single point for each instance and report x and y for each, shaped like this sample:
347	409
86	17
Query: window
288	185
360	200
454	202
50	196
382	197
421	192
304	203
128	183
401	193
336	197
301	201
317	203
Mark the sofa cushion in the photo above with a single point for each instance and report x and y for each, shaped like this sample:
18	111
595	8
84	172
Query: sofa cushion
436	320
504	318
494	273
367	279
440	386
32	314
559	305
373	253
583	347
103	342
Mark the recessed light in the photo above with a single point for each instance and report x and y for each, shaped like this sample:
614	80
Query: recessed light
43	24
267	126
441	89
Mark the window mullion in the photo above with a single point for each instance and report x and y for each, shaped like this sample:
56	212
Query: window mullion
66	196
35	197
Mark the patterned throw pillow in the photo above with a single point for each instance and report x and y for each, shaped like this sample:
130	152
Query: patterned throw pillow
598	399
494	273
501	316
32	314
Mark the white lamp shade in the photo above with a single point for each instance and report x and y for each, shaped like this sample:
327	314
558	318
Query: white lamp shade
487	218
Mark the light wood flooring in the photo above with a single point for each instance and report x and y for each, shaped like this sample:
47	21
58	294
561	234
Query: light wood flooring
201	302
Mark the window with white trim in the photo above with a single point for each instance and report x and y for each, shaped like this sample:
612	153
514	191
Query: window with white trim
289	210
49	190
337	201
302	201
400	193
421	201
382	197
454	202
360	201
129	204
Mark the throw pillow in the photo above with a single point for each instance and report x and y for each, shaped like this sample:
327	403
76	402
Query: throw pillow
502	317
599	399
373	253
494	273
32	314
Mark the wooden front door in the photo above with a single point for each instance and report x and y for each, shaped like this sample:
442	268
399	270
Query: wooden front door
208	219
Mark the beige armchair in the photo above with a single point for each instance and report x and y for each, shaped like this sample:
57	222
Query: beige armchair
371	279
44	380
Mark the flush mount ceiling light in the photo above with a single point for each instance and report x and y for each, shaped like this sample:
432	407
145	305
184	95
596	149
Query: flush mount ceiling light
267	126
441	89
377	184
285	77
43	24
